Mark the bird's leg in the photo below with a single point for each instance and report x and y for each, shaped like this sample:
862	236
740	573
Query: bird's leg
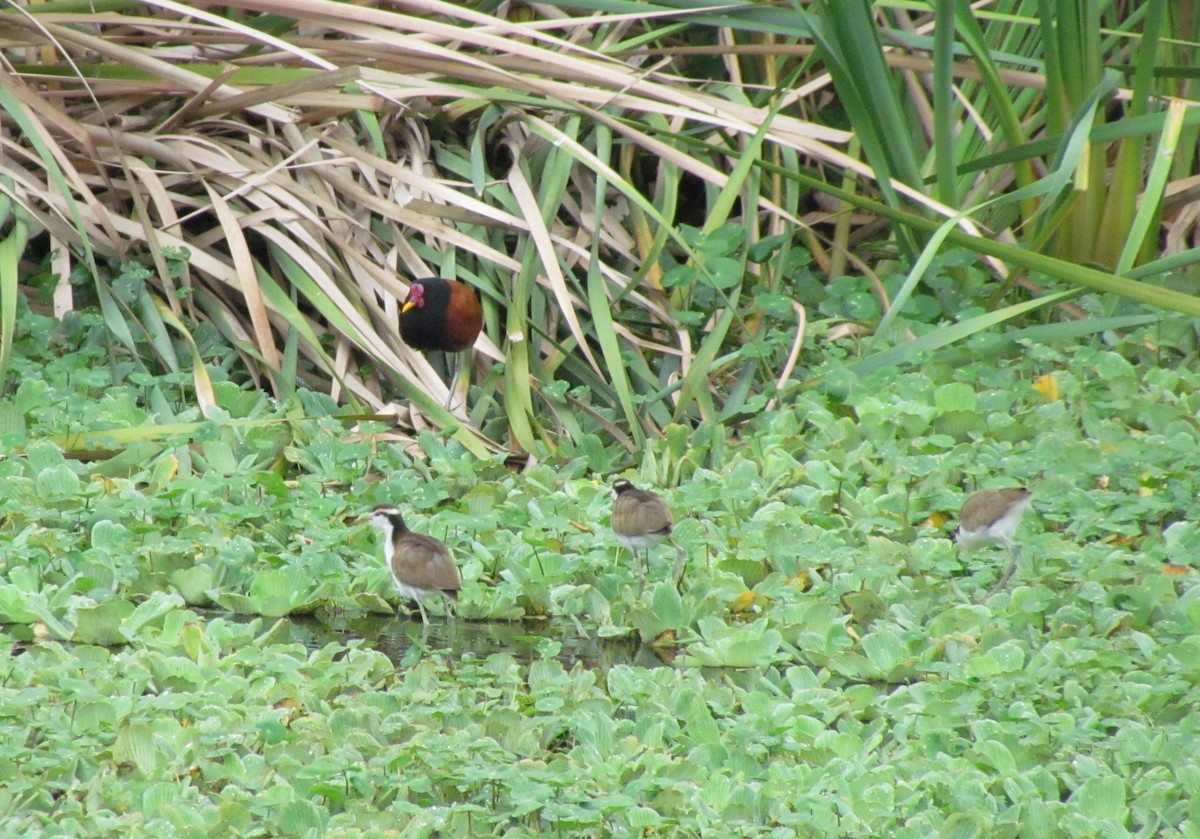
642	568
461	364
959	592
680	564
1004	578
424	617
1015	553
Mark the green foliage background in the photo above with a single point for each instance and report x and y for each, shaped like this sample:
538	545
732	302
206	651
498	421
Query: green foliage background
836	665
650	199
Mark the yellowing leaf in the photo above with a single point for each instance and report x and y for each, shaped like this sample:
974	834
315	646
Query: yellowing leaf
936	520
1047	386
742	602
110	486
165	470
666	638
1175	570
802	581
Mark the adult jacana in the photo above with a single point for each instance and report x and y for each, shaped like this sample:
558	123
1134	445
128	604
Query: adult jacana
442	315
991	517
421	565
641	519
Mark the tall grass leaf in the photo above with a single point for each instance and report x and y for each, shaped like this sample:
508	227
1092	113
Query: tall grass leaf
1166	265
1149	208
610	349
1141	126
12	247
1000	102
944	113
535	211
41	140
243	277
1049	333
518	378
747	162
206	399
946	335
1081	275
849	42
152	324
693	389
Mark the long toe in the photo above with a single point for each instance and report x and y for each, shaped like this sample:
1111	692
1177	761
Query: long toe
680	565
1004	578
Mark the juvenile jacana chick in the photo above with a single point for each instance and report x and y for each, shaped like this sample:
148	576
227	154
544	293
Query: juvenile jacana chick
991	517
441	315
641	519
421	565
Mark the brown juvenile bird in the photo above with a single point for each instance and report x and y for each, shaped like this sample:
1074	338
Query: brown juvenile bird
641	519
421	565
991	517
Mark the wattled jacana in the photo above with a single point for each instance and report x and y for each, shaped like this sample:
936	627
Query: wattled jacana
442	315
641	519
421	565
991	517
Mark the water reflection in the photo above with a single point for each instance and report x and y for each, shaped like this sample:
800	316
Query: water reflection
403	640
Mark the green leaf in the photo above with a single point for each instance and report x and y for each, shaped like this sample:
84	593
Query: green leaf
721	645
956	396
194	584
151	611
998	757
668	606
275	591
1102	798
724	273
886	650
95	717
108	535
101	624
135	744
18	606
58	482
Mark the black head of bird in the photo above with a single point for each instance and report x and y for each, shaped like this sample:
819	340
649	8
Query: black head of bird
991	517
441	315
420	564
640	519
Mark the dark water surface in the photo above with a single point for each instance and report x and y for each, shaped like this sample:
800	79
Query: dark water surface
404	640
